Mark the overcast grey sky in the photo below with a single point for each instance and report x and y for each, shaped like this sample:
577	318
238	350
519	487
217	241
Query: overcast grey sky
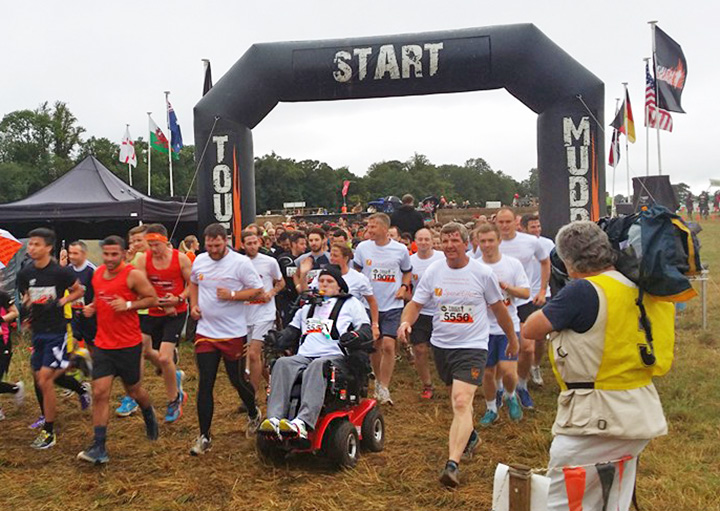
111	62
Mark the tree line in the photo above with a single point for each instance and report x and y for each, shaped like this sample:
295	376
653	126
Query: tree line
38	146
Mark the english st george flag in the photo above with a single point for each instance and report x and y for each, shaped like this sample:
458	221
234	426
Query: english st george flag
670	72
623	121
127	150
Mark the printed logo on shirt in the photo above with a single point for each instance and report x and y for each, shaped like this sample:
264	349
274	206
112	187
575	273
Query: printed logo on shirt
290	271
462	314
415	277
438	291
368	262
383	275
200	276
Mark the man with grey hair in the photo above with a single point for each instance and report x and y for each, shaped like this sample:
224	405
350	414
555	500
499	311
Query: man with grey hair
608	409
460	291
407	218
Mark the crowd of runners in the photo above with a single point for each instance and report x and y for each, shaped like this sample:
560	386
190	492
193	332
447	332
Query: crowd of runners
457	294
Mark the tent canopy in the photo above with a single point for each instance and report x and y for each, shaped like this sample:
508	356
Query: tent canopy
90	192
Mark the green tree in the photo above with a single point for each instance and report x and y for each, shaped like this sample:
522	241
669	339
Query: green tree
531	185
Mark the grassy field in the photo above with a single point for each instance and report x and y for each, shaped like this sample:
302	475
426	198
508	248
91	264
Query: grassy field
678	471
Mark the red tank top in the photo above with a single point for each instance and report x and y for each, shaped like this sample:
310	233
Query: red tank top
168	280
115	330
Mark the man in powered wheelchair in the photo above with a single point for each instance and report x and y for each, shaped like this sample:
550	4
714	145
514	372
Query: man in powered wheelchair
318	397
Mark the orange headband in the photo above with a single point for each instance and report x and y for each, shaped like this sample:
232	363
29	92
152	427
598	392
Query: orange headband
156	236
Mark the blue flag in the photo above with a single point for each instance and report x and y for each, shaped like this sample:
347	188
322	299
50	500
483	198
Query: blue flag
176	142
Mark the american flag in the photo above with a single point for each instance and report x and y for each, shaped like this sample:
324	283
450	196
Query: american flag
654	117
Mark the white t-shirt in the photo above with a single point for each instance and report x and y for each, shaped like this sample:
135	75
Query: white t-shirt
318	342
535	274
358	285
510	271
459	299
269	271
526	248
384	266
418	269
223	319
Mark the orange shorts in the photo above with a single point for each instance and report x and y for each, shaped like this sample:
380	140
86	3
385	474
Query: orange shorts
230	349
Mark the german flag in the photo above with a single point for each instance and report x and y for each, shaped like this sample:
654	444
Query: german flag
624	121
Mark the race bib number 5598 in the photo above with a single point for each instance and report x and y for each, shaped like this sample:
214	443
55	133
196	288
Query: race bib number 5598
456	314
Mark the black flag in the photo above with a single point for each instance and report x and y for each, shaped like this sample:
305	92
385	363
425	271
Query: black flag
207	84
670	72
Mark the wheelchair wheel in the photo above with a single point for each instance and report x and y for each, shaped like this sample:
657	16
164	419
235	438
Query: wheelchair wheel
373	431
342	444
267	450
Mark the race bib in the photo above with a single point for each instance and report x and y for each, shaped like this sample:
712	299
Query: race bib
39	295
319	326
79	303
457	314
383	275
507	299
311	275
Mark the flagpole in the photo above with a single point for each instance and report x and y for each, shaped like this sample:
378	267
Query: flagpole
170	150
657	96
149	153
613	209
627	146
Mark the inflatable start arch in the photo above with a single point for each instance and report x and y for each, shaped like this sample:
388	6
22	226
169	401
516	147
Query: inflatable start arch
520	58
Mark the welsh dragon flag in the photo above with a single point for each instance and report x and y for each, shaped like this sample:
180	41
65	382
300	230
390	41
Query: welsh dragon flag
158	140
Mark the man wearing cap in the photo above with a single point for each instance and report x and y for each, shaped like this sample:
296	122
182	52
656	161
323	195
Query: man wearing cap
320	338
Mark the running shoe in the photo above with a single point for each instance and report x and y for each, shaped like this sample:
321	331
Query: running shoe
253	424
20	394
472	444
514	408
450	476
525	398
536	376
295	427
44	440
39	423
427	392
152	430
489	418
202	445
179	377
498	398
96	454
175	408
270	425
85	397
127	407
383	395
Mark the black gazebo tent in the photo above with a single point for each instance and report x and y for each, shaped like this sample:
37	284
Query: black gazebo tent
88	202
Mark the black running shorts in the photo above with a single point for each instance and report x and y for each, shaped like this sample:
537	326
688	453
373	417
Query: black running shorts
464	364
163	328
124	363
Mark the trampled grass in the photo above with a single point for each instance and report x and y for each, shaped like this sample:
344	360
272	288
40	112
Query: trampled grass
678	471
